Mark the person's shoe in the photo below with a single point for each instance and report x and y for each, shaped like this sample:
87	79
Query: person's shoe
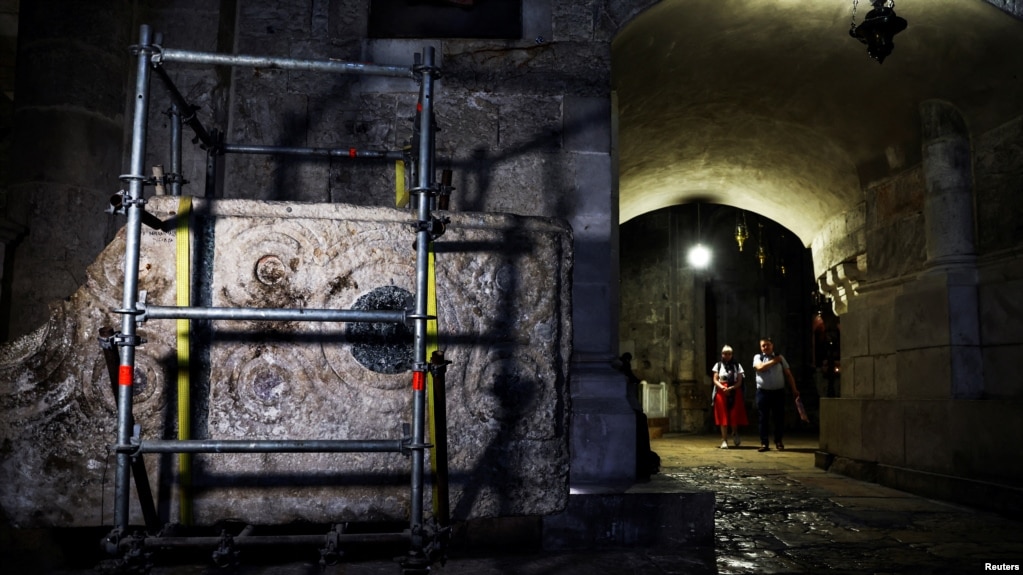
736	440
764	448
724	444
780	446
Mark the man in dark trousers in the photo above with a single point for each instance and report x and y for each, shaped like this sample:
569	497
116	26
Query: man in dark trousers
772	373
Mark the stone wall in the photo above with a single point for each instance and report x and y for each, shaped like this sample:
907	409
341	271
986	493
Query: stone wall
503	286
927	346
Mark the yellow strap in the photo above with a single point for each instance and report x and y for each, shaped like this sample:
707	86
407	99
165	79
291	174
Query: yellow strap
183	279
431	346
401	198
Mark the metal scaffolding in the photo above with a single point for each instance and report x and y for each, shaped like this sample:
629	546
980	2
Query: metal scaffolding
129	545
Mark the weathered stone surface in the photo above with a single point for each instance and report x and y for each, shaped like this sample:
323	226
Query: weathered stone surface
503	307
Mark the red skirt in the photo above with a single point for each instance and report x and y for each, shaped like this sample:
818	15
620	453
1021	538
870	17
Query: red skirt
734	416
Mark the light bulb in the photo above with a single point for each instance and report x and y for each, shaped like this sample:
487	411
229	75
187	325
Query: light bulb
699	256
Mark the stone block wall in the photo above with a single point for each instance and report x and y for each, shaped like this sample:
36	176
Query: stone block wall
929	349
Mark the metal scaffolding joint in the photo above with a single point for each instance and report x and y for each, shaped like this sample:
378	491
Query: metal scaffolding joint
140	49
120	339
420	69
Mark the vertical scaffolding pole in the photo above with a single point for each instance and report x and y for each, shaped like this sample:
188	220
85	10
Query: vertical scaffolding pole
133	232
423	239
175	150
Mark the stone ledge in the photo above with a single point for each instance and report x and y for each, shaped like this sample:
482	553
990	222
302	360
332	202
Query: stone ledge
1000	498
658	513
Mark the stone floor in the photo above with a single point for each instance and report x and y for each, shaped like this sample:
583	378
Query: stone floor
776	513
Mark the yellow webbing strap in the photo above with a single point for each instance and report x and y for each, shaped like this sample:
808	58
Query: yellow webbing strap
431	346
401	198
183	279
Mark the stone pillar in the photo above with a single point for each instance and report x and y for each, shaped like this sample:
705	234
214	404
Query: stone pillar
603	432
948	174
68	125
950	270
689	342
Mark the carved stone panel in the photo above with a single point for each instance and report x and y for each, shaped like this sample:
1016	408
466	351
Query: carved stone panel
503	301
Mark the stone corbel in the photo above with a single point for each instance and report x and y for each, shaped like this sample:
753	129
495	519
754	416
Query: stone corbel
841	282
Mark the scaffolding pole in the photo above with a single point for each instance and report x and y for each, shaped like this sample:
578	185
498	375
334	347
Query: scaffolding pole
418	560
127	340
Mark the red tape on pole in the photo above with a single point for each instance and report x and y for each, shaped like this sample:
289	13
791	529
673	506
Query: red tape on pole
418	380
125	375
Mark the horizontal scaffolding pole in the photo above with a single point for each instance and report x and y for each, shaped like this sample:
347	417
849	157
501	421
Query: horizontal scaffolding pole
335	66
253	540
265	446
271	314
326	152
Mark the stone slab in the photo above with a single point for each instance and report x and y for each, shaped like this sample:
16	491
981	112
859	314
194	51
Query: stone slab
503	285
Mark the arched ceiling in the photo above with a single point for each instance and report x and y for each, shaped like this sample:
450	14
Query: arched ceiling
772	107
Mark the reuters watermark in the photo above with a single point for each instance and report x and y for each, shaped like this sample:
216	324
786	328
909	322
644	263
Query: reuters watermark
1000	567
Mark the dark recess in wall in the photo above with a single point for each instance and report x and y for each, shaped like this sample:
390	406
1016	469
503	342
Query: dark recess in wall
445	19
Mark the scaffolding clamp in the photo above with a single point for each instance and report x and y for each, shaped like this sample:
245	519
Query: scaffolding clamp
140	311
154	49
418	69
132	449
407	447
119	339
438	365
331	553
434	226
174	178
137	559
226	555
121	201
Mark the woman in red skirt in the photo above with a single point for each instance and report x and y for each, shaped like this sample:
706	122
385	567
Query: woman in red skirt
729	405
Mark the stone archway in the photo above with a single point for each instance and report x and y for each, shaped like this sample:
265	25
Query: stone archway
773	108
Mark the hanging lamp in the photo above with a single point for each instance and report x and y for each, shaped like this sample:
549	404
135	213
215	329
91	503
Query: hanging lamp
741	231
761	252
878	28
699	255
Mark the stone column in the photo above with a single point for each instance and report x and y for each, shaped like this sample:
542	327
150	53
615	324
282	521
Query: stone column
948	174
950	270
68	126
603	432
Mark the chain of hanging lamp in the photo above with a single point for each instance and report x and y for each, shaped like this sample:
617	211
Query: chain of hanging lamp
885	4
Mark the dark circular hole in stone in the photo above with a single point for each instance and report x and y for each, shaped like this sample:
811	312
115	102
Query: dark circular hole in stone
377	346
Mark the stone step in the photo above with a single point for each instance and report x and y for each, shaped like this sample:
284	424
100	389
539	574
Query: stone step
661	512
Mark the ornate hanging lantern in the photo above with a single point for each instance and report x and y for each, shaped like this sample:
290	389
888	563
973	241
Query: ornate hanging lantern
878	28
741	232
761	252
